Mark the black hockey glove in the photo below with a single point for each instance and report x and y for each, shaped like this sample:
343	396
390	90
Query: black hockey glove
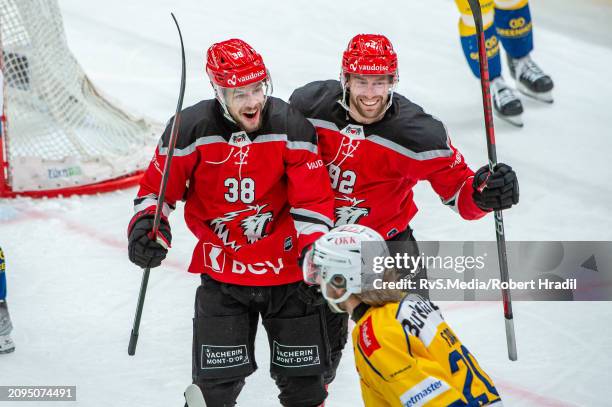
143	249
495	191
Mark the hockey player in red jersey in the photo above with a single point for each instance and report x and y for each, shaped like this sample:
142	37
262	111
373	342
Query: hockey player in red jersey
377	144
256	194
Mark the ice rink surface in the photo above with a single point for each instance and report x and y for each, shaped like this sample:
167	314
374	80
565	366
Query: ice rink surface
72	290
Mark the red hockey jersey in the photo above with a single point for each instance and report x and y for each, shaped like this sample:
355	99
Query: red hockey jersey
373	167
254	201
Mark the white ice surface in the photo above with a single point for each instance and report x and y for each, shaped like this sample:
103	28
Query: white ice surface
72	290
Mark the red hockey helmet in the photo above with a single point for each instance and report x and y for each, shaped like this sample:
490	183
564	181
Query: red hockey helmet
234	63
369	54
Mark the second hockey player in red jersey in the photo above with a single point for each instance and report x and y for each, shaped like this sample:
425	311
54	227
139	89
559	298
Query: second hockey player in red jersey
256	193
377	144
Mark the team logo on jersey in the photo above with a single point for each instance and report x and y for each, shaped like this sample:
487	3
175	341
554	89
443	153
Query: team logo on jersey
367	340
252	221
239	139
350	213
354	132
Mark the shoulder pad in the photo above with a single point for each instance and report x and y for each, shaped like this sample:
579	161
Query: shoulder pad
197	121
315	98
283	118
410	131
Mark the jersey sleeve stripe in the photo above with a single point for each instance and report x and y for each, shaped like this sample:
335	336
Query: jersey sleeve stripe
291	145
422	156
453	201
306	228
302	145
182	152
323	124
267	138
306	215
144	202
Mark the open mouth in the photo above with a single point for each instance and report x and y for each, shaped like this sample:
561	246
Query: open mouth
251	115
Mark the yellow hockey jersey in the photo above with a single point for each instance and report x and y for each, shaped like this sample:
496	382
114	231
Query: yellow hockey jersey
407	355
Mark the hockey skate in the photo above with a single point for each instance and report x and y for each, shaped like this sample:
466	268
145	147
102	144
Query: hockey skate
506	104
6	343
530	79
194	396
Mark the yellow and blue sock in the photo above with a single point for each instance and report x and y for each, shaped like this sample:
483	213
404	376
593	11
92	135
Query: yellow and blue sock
469	39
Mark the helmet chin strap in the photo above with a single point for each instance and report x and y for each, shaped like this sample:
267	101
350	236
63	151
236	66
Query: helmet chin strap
335	308
333	302
221	99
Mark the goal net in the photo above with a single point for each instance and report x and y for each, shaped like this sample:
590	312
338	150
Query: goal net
59	136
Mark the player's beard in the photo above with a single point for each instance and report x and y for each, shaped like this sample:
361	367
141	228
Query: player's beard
369	113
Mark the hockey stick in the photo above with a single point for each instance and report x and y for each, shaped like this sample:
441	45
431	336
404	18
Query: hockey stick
160	198
492	153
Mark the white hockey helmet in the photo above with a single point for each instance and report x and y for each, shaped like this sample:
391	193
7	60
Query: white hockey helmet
336	260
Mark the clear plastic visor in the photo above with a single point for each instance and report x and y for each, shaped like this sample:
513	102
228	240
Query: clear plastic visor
245	96
333	286
371	84
368	85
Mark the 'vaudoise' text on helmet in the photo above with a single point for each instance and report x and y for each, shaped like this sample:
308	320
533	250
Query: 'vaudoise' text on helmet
369	54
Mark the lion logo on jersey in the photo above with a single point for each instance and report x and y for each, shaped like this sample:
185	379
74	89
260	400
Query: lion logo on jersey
252	221
351	213
254	226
